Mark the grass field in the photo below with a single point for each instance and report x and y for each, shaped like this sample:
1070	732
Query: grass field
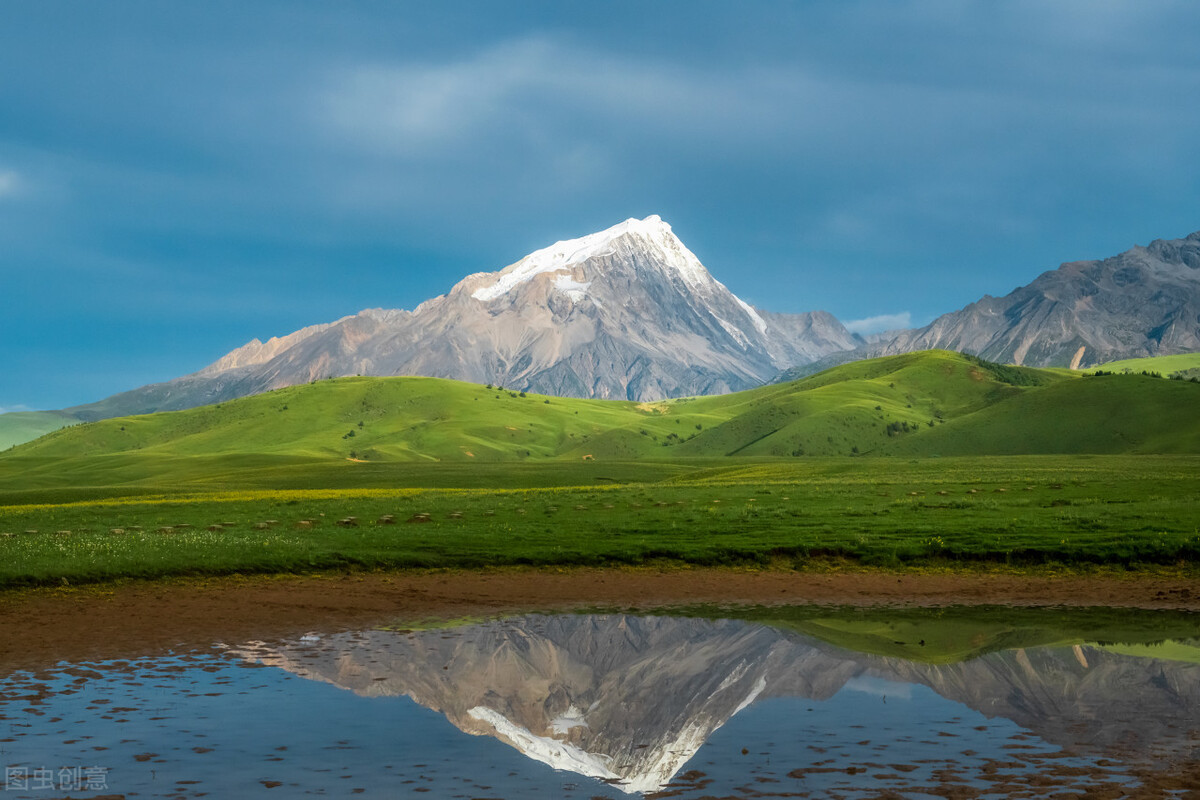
915	459
1015	510
1186	365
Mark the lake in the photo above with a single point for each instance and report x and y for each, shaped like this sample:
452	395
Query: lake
750	702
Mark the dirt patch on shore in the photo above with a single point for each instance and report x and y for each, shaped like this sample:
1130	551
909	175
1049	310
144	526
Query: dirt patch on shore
43	626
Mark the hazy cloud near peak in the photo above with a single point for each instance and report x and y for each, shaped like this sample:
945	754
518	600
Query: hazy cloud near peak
880	323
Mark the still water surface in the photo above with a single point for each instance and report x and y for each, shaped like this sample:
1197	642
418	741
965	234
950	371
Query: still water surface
778	703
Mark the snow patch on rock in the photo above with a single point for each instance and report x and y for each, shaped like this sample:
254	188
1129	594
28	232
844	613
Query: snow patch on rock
573	718
571	288
552	752
758	321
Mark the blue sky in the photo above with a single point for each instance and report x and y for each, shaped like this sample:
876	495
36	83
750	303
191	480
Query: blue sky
176	179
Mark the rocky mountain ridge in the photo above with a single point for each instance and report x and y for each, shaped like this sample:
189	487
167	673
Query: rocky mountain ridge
1143	302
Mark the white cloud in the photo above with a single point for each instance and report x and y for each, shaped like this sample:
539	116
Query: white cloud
13	409
544	92
883	322
10	183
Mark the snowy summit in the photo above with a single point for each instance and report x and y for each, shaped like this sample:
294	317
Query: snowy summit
563	256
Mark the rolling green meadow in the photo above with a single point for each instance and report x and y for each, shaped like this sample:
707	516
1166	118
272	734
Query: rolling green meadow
923	459
1184	365
22	426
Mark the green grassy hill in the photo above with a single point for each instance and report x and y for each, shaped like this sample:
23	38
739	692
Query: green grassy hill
1102	414
917	404
1186	365
860	407
18	427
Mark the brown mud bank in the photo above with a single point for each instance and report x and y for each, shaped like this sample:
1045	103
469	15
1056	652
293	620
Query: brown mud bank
41	626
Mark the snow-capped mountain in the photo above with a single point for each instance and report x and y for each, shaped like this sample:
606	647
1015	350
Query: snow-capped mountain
627	313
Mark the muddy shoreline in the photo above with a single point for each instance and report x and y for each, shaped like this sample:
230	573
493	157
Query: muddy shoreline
42	626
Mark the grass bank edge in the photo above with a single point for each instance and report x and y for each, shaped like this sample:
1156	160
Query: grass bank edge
1130	574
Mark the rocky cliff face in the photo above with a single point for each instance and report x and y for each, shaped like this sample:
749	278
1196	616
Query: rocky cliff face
1143	302
631	699
626	313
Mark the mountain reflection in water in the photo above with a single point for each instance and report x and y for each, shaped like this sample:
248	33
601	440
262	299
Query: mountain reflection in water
630	699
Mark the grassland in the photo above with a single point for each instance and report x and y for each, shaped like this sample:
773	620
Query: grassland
915	459
1017	510
1185	365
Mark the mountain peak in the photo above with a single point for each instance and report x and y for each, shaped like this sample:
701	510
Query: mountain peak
653	233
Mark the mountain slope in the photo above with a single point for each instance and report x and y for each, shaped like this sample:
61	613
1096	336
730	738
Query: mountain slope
625	313
1143	302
